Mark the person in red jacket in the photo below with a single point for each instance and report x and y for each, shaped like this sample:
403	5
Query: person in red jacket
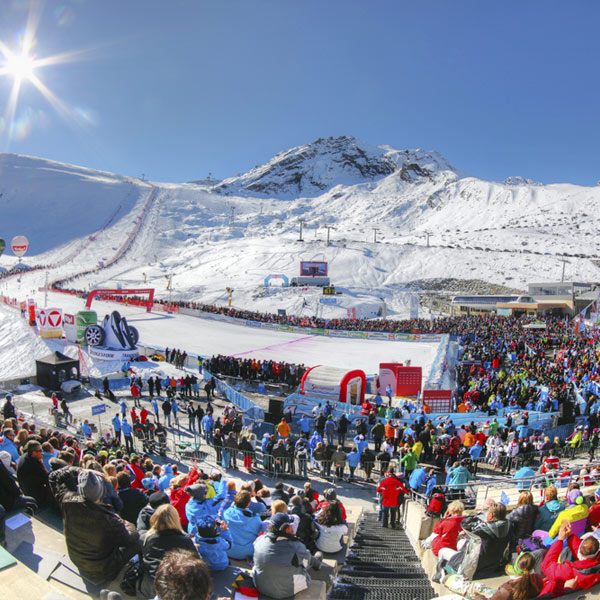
144	416
134	467
391	488
582	573
447	530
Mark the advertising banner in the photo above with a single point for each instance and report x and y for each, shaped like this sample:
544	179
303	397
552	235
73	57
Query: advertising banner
380	335
414	306
337	333
358	334
50	322
328	300
284	328
82	319
253	324
70	328
439	401
317	330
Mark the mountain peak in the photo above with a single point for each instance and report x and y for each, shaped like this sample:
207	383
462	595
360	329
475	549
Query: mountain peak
312	169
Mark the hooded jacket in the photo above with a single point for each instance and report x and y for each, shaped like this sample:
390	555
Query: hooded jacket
244	526
495	537
196	511
586	572
577	514
547	514
165	480
214	550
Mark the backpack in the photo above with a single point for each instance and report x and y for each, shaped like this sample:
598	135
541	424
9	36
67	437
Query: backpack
436	505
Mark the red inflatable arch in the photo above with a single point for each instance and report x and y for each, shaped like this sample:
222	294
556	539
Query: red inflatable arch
128	292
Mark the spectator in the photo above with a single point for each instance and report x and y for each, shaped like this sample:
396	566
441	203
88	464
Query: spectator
214	541
525	584
576	513
548	512
133	499
391	488
494	534
353	460
143	522
244	526
447	531
182	575
568	575
11	497
32	475
99	551
332	528
306	531
198	507
522	518
7	444
281	560
339	461
164	535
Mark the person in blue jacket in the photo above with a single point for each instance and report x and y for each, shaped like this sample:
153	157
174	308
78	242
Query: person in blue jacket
244	527
360	442
214	540
198	507
116	422
7	444
165	479
352	460
126	429
417	479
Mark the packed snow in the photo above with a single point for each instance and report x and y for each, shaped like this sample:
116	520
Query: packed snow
208	236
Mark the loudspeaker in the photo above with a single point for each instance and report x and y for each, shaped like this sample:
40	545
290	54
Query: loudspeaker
272	418
276	408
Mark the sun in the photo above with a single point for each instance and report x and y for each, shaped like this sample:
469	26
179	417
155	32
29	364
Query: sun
20	66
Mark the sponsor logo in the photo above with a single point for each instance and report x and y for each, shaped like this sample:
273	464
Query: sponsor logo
253	324
317	330
69	319
358	334
284	328
336	333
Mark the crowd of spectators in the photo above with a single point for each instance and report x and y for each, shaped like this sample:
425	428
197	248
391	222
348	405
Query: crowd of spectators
142	509
250	369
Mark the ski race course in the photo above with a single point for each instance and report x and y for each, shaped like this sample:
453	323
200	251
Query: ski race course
207	337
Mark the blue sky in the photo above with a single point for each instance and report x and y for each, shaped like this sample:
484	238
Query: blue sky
179	89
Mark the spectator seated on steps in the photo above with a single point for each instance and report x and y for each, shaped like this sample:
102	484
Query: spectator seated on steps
213	540
581	572
445	534
133	499
165	534
524	584
576	513
486	550
281	561
332	528
143	521
548	511
244	526
522	518
98	541
183	575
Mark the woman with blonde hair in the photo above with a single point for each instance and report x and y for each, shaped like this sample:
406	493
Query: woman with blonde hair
548	512
447	530
165	534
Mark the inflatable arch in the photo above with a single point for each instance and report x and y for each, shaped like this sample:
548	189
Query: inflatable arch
332	383
286	281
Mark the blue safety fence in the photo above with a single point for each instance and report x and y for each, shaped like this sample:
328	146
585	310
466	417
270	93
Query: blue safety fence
250	409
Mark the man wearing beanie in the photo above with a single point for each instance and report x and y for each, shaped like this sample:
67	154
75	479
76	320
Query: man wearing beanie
281	560
98	541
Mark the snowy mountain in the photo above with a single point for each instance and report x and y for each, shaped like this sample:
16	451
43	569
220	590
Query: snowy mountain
430	221
310	170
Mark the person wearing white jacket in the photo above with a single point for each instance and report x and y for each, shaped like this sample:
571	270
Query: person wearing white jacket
332	528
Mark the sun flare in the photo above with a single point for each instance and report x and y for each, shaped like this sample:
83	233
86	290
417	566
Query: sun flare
20	66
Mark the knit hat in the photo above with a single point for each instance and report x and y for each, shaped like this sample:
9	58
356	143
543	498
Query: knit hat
8	396
90	485
208	527
197	491
280	522
148	483
574	497
157	499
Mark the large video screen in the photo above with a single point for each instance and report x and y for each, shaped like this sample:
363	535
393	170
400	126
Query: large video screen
313	269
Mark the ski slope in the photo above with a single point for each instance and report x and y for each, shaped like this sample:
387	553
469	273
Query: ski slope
208	337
